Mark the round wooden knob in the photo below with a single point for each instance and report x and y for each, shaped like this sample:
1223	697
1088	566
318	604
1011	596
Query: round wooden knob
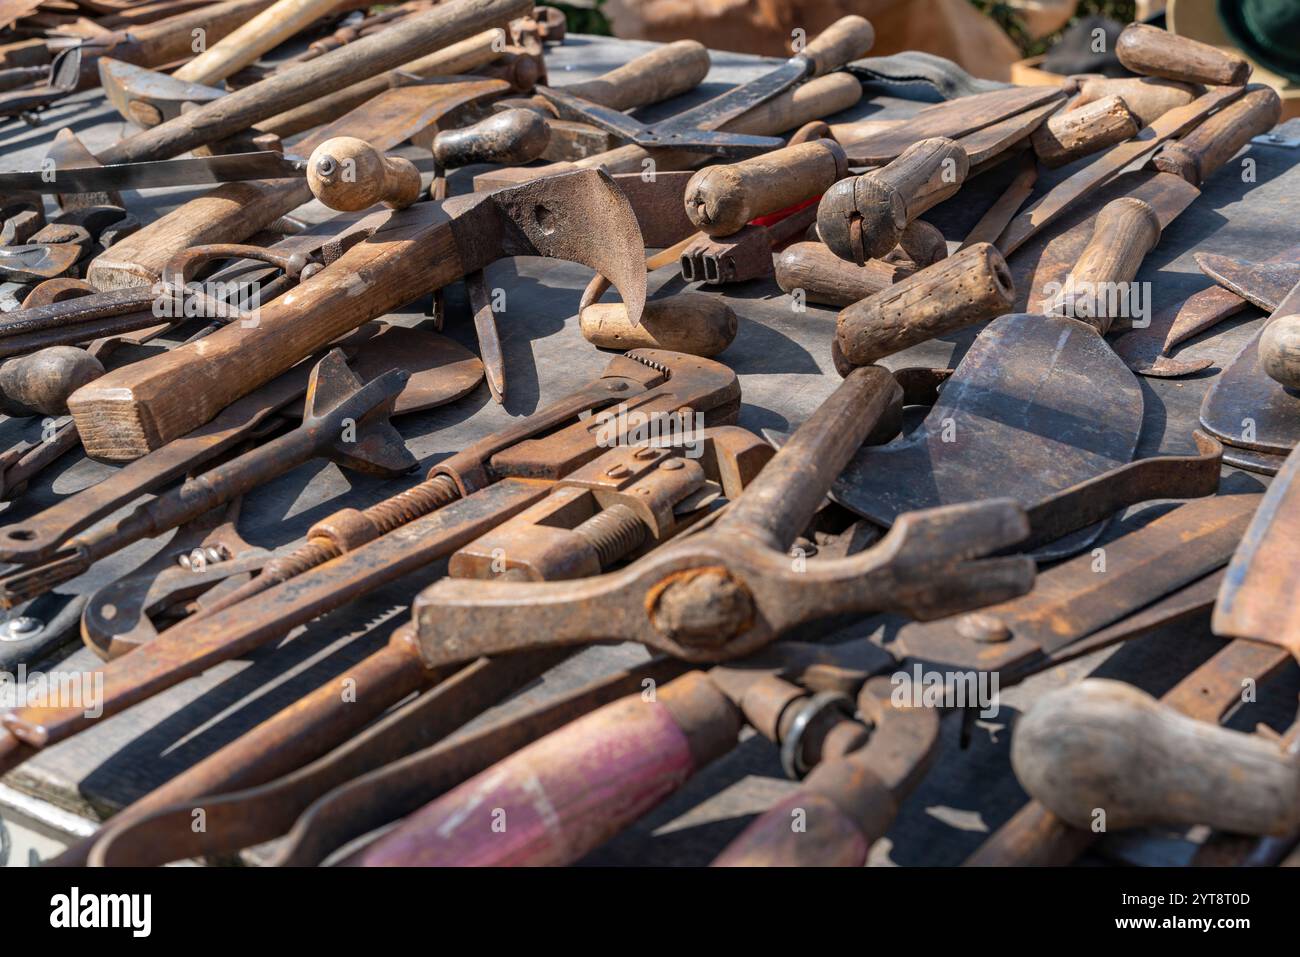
40	383
349	174
1279	350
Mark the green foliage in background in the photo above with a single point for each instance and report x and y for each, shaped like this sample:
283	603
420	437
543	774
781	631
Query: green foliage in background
584	16
1123	11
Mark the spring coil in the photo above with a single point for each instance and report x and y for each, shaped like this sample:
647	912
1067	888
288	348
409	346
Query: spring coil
614	533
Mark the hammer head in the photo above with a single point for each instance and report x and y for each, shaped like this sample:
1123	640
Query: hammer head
147	97
581	216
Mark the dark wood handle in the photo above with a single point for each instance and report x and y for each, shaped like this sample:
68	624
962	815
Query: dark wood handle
844	41
348	174
973	285
511	136
569	792
828	279
1155	52
40	383
864	217
1073	134
661	74
721	200
1201	152
1107	746
1125	230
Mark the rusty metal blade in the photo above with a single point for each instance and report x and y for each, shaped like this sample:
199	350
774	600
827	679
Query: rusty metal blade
1064	411
1201	311
1261	284
1072	600
956	118
1258	597
1065	194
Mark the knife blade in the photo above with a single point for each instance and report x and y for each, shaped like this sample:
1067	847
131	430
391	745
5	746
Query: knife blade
190	171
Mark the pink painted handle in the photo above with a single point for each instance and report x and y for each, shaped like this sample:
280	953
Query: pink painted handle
569	792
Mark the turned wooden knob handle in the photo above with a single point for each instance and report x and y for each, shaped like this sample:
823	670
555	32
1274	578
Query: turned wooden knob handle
970	286
40	383
722	200
1279	350
1201	152
1155	52
349	174
690	322
512	137
864	217
1125	230
1073	134
666	71
826	278
844	41
1106	747
567	793
1148	97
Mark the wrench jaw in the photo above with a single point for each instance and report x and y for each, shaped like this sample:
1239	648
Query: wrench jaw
719	595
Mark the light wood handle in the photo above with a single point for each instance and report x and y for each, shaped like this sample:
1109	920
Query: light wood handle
1201	152
973	285
1105	746
1148	97
722	200
845	40
863	218
1125	230
690	322
828	279
511	136
414	36
569	792
661	74
1279	350
40	383
277	23
348	174
1073	134
1155	52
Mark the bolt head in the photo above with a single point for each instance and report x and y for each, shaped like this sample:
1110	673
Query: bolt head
979	626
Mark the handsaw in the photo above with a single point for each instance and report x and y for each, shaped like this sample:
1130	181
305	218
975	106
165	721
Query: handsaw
1257	418
191	171
699	128
1023	406
1258	596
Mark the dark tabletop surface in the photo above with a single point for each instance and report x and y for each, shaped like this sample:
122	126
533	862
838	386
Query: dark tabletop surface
783	359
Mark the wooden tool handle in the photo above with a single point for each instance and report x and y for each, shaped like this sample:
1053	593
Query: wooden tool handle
843	809
414	36
1073	134
973	285
511	136
1148	97
844	41
1125	230
826	278
277	23
661	74
721	200
40	383
690	322
1105	746
863	218
348	174
569	792
1155	52
1201	152
1279	350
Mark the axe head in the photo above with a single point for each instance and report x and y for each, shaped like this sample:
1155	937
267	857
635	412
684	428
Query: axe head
581	216
147	97
367	443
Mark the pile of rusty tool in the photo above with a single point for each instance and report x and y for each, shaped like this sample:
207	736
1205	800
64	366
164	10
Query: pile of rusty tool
835	588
